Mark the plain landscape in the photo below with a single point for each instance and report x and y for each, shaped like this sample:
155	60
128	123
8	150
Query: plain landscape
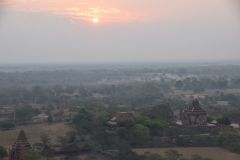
71	110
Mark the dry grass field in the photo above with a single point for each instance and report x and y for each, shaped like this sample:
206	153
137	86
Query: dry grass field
205	152
33	133
235	91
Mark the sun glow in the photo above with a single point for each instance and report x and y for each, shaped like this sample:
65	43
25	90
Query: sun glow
95	20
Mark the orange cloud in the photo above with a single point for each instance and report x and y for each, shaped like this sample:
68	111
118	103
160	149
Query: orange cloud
74	10
109	11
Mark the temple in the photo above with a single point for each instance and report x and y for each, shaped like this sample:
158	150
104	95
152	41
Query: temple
195	114
20	147
120	116
161	111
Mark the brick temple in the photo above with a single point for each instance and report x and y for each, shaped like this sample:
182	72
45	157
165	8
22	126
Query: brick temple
195	114
161	111
19	148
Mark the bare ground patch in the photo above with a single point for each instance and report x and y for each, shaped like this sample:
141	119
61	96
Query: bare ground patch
33	133
205	152
189	93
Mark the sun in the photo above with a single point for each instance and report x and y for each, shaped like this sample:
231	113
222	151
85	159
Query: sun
95	20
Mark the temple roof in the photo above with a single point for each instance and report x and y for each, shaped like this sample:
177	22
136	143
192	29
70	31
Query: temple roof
195	108
22	136
195	104
161	111
22	142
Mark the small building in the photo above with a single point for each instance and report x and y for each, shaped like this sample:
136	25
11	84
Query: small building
19	148
161	111
66	104
195	114
120	116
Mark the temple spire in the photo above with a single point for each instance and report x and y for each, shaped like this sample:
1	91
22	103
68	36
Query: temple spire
195	96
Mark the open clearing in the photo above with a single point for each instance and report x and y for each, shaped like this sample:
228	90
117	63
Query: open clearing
188	93
205	152
33	133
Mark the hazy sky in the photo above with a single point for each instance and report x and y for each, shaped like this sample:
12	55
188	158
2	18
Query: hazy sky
36	31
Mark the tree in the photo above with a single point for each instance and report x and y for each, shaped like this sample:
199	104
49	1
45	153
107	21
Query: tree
33	155
153	156
37	112
172	155
45	139
139	119
49	108
224	120
90	158
37	90
156	126
181	141
24	114
179	84
172	133
128	123
227	138
137	134
81	116
3	152
235	147
209	119
222	83
121	131
123	146
82	133
190	133
50	119
7	125
47	152
197	157
71	136
126	153
67	120
142	129
214	132
63	141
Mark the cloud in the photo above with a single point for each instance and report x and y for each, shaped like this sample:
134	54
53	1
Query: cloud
104	14
74	11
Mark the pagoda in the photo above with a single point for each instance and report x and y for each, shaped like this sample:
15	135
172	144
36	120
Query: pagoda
161	111
20	147
195	114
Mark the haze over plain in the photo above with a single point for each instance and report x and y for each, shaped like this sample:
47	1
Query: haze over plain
43	31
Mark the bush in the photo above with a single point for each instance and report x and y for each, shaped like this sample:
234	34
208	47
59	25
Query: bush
224	120
179	84
121	131
209	119
3	152
129	123
181	141
235	147
7	125
33	155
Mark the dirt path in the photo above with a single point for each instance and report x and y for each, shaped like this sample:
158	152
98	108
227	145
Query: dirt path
205	152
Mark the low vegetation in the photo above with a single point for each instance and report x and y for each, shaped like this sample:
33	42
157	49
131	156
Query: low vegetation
70	112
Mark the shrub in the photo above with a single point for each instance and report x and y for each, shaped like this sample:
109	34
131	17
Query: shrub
129	123
7	125
235	147
3	152
181	141
224	120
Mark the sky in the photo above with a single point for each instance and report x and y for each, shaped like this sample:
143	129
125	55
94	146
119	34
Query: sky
63	31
